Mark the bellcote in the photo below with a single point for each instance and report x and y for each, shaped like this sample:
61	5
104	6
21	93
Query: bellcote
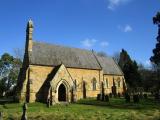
29	35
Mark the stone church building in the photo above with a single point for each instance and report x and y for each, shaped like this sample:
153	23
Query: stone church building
62	73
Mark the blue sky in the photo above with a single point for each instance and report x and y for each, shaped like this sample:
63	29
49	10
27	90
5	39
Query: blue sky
102	25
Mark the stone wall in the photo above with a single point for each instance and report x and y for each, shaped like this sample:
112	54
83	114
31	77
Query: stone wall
87	76
108	89
39	74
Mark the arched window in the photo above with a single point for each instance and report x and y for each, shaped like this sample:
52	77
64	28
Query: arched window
84	89
94	83
75	84
118	82
106	83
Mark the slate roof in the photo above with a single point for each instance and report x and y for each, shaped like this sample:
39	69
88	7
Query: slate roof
46	54
109	66
54	55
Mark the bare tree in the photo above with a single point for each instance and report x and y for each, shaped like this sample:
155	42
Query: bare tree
18	53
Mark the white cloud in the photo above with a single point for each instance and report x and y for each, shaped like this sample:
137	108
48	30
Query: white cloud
104	43
126	28
147	63
112	4
89	42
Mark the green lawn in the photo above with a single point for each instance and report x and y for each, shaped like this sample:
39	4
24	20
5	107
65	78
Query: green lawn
88	109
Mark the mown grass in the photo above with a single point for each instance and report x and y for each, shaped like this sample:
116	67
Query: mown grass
88	109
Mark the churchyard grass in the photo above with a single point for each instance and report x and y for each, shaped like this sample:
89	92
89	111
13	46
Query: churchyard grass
87	109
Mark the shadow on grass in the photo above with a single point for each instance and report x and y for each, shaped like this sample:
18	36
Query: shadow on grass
119	103
6	100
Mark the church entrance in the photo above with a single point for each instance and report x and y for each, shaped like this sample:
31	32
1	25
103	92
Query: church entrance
62	93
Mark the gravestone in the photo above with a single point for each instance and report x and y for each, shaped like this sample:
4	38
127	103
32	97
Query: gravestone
127	97
106	98
119	95
102	94
98	96
24	116
136	98
48	102
1	116
145	96
110	95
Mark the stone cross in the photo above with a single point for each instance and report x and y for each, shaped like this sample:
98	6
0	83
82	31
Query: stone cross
24	117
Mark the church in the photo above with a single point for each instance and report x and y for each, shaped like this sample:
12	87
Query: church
64	74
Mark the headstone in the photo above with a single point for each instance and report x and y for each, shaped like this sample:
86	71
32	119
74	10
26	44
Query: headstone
106	98
103	93
98	96
110	95
145	96
156	96
136	98
1	116
127	97
102	97
48	102
24	116
141	96
119	95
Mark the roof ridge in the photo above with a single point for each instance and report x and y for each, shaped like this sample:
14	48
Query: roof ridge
97	59
118	66
64	46
109	66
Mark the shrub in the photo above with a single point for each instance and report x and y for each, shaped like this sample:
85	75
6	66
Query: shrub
106	98
98	96
135	98
127	97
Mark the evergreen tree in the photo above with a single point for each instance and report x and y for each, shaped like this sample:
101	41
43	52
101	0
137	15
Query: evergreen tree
156	51
130	70
149	79
124	58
